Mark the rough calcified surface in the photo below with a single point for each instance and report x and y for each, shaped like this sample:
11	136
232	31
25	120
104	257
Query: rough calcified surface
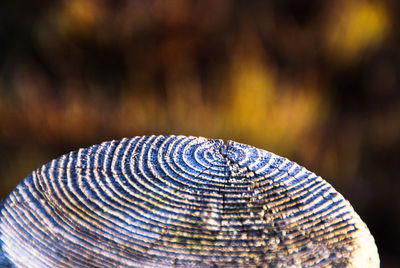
164	201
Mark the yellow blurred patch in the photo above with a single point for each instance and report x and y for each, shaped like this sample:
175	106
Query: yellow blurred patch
355	26
252	95
260	110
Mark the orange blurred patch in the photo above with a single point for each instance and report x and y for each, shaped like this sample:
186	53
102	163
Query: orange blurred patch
81	16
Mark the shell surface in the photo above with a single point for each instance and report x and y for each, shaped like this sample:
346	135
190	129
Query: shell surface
184	201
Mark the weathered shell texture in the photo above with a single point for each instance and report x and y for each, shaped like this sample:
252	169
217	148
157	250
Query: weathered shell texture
179	201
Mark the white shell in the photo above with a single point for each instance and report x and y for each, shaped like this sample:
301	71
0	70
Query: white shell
179	201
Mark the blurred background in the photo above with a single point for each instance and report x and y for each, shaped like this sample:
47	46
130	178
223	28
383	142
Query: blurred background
314	81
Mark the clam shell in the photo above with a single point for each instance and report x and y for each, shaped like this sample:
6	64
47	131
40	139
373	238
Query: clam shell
179	201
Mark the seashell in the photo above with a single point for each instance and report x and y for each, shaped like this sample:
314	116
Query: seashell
155	201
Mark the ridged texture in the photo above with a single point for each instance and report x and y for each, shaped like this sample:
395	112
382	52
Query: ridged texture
165	201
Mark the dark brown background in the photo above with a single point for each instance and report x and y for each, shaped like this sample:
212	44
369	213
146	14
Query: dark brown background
315	81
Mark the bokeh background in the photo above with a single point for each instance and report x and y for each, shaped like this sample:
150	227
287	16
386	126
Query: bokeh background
315	81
